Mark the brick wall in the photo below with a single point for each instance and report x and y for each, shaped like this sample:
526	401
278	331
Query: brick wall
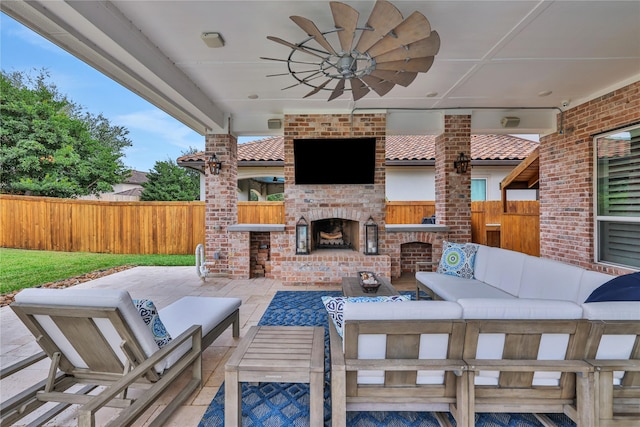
352	202
566	176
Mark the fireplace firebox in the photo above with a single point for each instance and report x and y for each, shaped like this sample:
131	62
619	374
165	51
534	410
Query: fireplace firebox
334	233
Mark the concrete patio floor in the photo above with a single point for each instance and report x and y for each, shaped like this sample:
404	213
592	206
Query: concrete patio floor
162	285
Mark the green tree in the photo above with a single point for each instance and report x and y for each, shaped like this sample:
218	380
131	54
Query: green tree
50	147
169	182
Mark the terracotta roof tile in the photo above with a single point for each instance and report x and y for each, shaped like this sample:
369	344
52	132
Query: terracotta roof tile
399	147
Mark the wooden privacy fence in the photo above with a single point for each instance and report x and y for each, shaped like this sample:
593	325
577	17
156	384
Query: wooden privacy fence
53	224
44	223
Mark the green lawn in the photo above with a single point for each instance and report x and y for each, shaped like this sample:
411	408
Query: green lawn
25	268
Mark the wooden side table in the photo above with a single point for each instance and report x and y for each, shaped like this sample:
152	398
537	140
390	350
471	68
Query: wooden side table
280	354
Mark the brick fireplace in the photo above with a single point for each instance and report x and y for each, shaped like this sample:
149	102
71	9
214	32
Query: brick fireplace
335	208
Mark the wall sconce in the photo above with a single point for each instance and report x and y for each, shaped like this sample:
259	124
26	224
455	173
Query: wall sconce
302	237
214	164
461	164
370	237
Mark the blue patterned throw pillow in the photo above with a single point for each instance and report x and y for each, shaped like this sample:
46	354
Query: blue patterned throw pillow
335	306
149	314
458	259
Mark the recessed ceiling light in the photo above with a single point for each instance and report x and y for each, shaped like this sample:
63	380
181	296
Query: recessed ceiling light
431	94
544	93
253	96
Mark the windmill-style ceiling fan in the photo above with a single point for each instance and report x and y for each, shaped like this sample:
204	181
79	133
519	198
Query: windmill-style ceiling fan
389	50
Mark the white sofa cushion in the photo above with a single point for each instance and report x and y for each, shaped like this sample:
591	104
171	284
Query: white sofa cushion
409	310
548	279
611	310
504	269
494	308
451	288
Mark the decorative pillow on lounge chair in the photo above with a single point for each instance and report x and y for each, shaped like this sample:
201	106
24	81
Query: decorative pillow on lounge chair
621	288
335	306
149	314
458	259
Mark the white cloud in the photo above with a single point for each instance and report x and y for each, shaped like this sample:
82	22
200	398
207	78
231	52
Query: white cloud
163	127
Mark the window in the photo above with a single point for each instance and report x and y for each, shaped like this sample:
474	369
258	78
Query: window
478	189
617	210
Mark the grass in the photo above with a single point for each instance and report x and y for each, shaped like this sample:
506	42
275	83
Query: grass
21	268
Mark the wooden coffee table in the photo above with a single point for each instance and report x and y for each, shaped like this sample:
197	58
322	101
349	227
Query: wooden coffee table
278	354
351	288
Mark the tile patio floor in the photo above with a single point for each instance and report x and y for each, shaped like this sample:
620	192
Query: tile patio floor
162	285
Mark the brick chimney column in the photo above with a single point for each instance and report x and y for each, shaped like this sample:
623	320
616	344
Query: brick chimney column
221	200
453	190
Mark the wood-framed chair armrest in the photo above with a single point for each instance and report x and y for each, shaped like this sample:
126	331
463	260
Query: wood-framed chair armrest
454	365
194	333
336	353
528	365
615	364
425	264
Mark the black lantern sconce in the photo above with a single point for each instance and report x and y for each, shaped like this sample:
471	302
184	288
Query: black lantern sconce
302	237
214	164
370	237
461	164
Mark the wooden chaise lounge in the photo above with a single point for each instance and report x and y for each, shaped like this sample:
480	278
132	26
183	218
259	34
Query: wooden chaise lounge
97	338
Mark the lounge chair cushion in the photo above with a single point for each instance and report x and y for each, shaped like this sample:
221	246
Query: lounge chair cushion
76	297
335	306
457	259
149	314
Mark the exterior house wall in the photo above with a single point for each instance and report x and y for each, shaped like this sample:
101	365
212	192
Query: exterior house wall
567	176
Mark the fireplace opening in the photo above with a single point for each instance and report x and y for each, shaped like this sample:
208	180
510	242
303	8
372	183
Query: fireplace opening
334	233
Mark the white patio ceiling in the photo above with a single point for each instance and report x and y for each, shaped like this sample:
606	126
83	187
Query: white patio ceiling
496	57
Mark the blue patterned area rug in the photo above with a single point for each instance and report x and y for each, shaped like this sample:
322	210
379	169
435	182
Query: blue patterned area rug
279	405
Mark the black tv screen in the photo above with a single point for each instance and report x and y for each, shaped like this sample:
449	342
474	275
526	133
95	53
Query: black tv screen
334	161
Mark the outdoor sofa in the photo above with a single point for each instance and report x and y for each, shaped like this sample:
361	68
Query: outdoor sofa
103	338
531	344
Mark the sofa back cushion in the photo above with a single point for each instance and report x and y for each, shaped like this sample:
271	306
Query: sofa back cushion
548	279
590	281
501	268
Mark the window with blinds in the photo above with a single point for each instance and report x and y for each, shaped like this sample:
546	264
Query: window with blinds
618	197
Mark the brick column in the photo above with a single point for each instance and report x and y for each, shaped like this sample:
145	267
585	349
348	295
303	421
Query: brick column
221	200
453	190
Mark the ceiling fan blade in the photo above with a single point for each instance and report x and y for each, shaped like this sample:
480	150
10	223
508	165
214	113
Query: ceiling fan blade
397	77
303	81
358	88
380	86
310	28
293	46
415	27
420	65
345	17
317	89
425	47
291	61
384	17
337	91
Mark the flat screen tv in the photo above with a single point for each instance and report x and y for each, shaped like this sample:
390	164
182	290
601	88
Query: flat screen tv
334	161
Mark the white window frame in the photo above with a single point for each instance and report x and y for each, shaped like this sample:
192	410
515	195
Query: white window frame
597	219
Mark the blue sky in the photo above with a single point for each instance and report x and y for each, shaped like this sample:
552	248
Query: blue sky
155	135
